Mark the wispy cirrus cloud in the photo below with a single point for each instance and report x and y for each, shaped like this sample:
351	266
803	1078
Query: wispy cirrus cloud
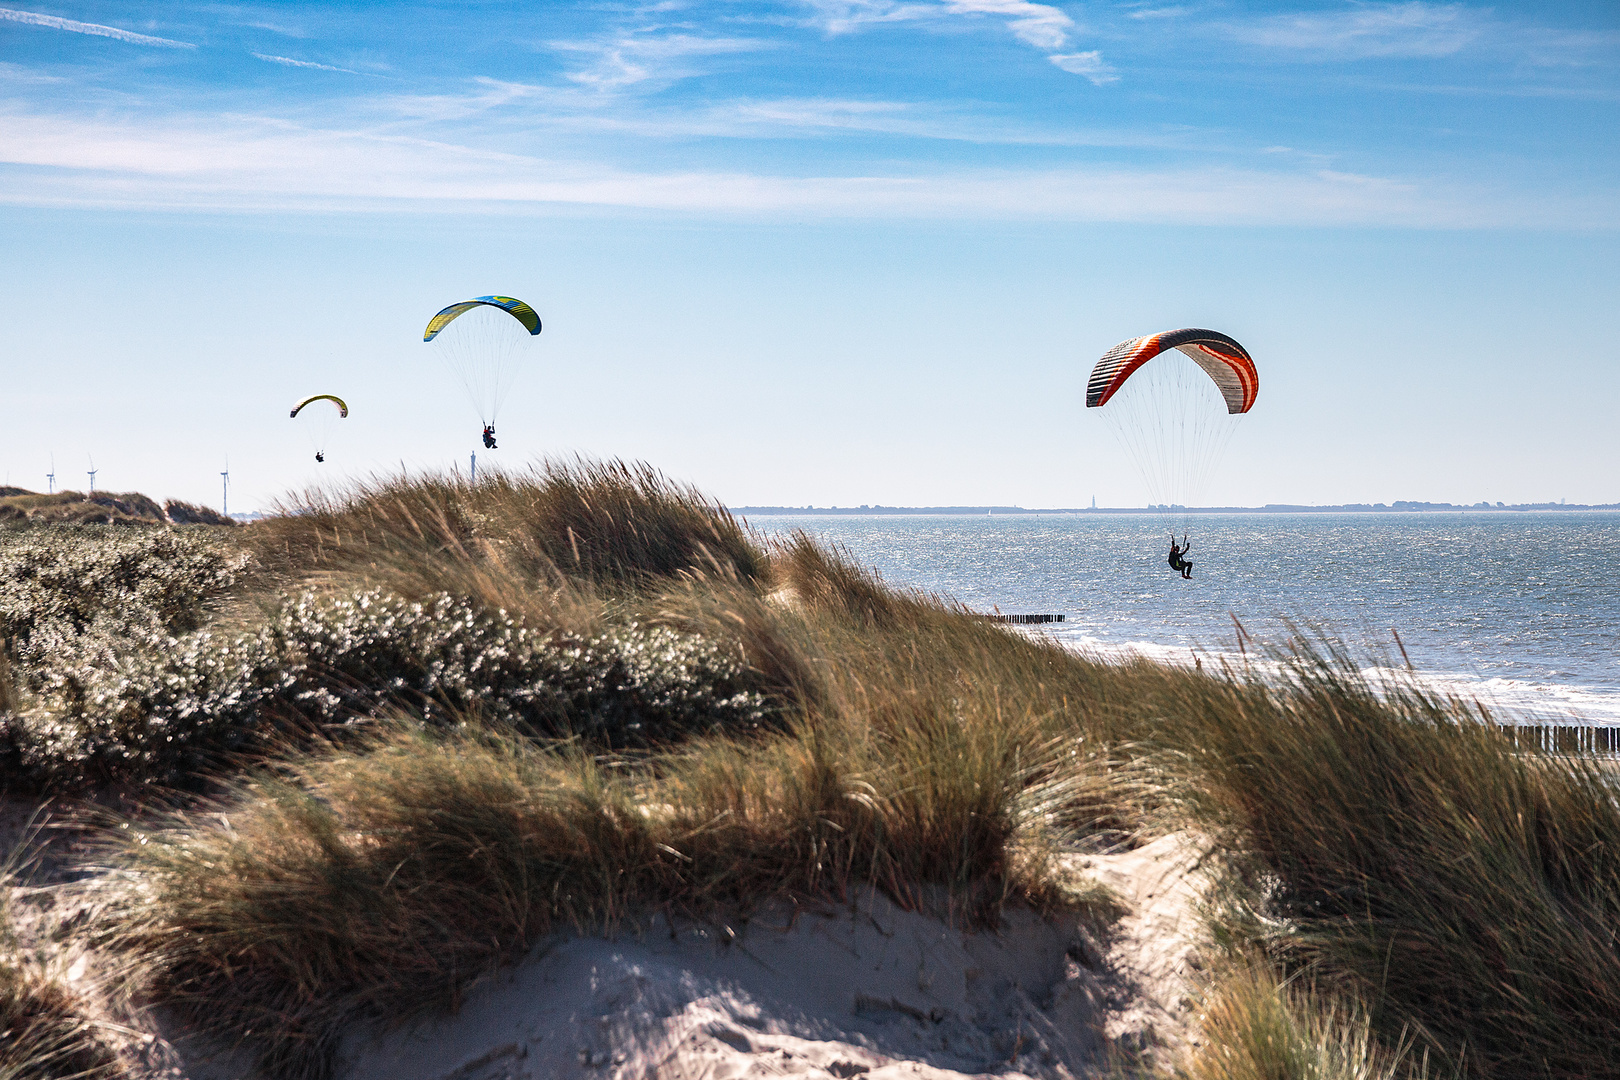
52	22
1515	48
212	163
848	16
17	74
1366	30
823	116
287	61
531	107
1090	64
1042	26
487	95
280	28
652	55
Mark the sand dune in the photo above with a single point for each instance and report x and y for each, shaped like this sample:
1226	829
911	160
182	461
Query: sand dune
868	990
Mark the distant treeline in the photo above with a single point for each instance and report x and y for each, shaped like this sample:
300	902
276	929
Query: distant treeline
1399	506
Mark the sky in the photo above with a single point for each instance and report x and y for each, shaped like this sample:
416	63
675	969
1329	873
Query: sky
813	252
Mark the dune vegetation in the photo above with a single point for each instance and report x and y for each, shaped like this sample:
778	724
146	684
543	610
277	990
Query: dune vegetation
338	764
101	508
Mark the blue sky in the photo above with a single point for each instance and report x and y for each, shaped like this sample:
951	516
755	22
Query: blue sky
817	251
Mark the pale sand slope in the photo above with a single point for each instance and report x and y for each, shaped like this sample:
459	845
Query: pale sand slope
871	991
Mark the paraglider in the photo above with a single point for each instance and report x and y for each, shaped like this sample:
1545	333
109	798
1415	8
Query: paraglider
1227	363
1178	555
321	420
1174	400
483	341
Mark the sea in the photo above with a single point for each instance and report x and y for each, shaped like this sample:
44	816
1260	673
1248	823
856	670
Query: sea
1517	610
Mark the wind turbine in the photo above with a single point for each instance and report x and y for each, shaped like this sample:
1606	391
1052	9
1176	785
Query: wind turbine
225	488
91	472
50	478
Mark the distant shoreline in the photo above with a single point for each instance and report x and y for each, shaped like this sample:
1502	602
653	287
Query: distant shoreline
1399	507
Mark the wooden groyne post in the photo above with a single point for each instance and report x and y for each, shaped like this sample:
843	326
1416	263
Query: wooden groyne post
1565	738
1024	620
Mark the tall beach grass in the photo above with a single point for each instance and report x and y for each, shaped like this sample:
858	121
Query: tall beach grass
1397	844
584	523
1449	898
45	1030
377	884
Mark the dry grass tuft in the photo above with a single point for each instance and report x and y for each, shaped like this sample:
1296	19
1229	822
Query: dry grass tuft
378	884
773	640
1255	1027
586	523
1401	847
184	513
10	700
44	1032
827	580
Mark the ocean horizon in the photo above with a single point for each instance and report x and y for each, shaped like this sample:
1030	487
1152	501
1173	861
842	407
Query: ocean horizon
1513	609
1399	506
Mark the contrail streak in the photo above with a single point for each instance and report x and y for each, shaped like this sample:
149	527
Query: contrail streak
35	19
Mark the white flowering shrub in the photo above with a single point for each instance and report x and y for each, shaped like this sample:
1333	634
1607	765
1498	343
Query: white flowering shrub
66	590
175	709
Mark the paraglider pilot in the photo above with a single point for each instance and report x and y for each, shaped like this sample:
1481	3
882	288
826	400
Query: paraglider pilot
1177	551
489	436
320	456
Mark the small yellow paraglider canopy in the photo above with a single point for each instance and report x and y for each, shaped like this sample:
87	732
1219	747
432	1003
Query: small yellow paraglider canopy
343	410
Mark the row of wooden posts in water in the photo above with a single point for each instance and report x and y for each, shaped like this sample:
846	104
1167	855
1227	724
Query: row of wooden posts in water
1024	620
1565	738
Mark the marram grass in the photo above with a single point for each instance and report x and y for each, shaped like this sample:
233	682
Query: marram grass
377	884
1393	841
1255	1026
584	522
1450	899
45	1032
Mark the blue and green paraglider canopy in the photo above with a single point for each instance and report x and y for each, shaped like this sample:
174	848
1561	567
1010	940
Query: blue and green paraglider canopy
514	307
486	342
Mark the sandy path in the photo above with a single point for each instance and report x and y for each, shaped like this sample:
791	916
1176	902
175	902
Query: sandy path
869	991
874	992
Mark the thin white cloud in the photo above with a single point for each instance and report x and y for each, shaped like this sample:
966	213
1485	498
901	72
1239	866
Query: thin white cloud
529	107
1089	64
815	117
1043	26
799	117
279	28
847	16
31	18
1368	30
490	94
288	61
225	163
1546	47
14	73
1040	25
630	58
